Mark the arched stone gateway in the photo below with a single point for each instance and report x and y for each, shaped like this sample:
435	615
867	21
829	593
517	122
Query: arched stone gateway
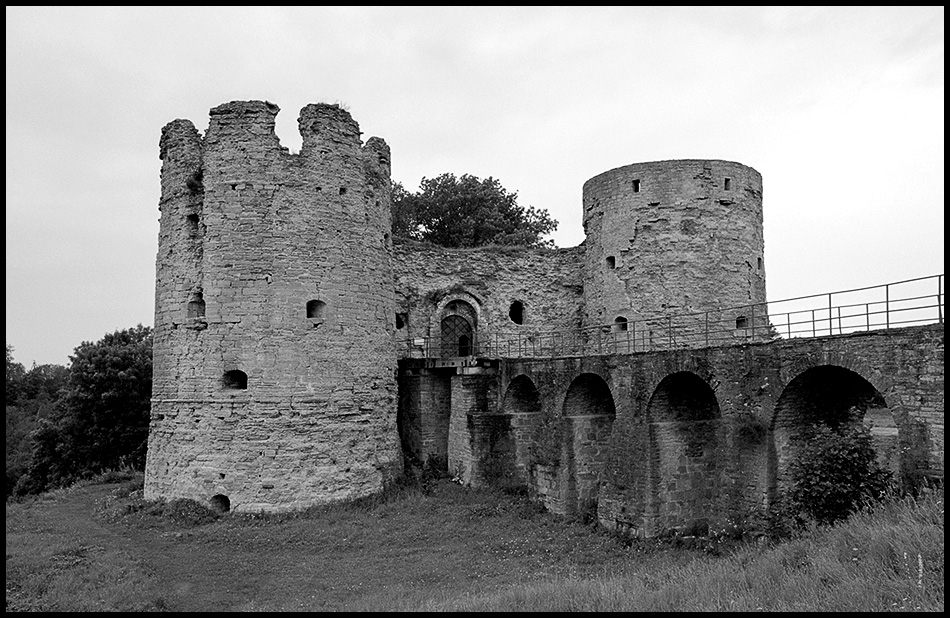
686	437
587	420
835	397
457	330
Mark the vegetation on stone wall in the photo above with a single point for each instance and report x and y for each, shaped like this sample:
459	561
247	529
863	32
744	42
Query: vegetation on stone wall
549	439
467	212
89	418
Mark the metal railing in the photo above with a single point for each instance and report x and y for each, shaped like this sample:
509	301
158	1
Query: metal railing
901	303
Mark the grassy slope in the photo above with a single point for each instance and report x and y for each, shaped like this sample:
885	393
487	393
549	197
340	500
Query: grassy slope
449	549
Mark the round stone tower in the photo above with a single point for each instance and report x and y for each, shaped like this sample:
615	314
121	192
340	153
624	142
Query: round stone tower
670	238
274	364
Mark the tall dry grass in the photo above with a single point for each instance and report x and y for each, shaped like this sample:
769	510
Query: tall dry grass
889	559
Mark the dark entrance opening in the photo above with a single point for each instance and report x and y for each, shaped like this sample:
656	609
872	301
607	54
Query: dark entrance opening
457	337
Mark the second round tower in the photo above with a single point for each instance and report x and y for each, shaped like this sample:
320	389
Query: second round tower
672	237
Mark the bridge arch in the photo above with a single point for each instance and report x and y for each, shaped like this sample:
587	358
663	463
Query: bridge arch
587	417
836	397
510	449
687	437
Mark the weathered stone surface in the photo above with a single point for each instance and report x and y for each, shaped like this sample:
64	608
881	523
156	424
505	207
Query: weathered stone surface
668	238
703	436
282	306
276	266
548	284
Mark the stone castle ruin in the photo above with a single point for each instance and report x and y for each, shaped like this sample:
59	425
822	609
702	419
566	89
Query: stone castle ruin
302	357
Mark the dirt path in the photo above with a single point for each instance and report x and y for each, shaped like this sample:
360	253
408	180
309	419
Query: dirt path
65	553
64	540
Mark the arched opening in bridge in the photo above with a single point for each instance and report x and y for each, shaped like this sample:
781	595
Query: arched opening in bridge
686	434
234	379
510	451
220	503
457	330
587	420
839	399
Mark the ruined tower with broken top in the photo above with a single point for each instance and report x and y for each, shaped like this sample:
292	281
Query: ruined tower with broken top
274	371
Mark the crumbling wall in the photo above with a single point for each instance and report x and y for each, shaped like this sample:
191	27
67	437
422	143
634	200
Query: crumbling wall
547	284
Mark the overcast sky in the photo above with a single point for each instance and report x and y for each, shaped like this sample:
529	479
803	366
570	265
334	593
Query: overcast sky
840	109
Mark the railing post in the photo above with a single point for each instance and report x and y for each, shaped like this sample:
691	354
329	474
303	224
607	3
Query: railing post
887	305
634	323
867	315
813	323
788	321
671	332
939	294
831	330
753	322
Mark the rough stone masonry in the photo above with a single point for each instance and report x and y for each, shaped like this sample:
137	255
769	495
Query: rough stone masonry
303	357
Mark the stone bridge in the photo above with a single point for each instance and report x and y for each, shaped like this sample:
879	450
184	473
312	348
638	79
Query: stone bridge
654	441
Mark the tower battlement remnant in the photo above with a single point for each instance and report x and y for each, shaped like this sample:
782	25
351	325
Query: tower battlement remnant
274	371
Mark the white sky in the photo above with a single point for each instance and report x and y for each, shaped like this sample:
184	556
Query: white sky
840	109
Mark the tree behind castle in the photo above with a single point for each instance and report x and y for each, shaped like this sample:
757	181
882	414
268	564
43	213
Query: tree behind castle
467	212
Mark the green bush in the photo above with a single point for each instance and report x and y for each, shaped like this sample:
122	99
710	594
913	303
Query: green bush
835	474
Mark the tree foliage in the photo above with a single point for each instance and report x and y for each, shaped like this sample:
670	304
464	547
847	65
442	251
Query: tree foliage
31	397
101	418
467	212
15	373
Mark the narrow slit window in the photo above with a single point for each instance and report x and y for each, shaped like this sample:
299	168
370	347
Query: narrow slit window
636	186
742	322
620	324
401	319
611	262
760	263
727	184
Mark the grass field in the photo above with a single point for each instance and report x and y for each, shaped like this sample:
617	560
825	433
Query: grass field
94	547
